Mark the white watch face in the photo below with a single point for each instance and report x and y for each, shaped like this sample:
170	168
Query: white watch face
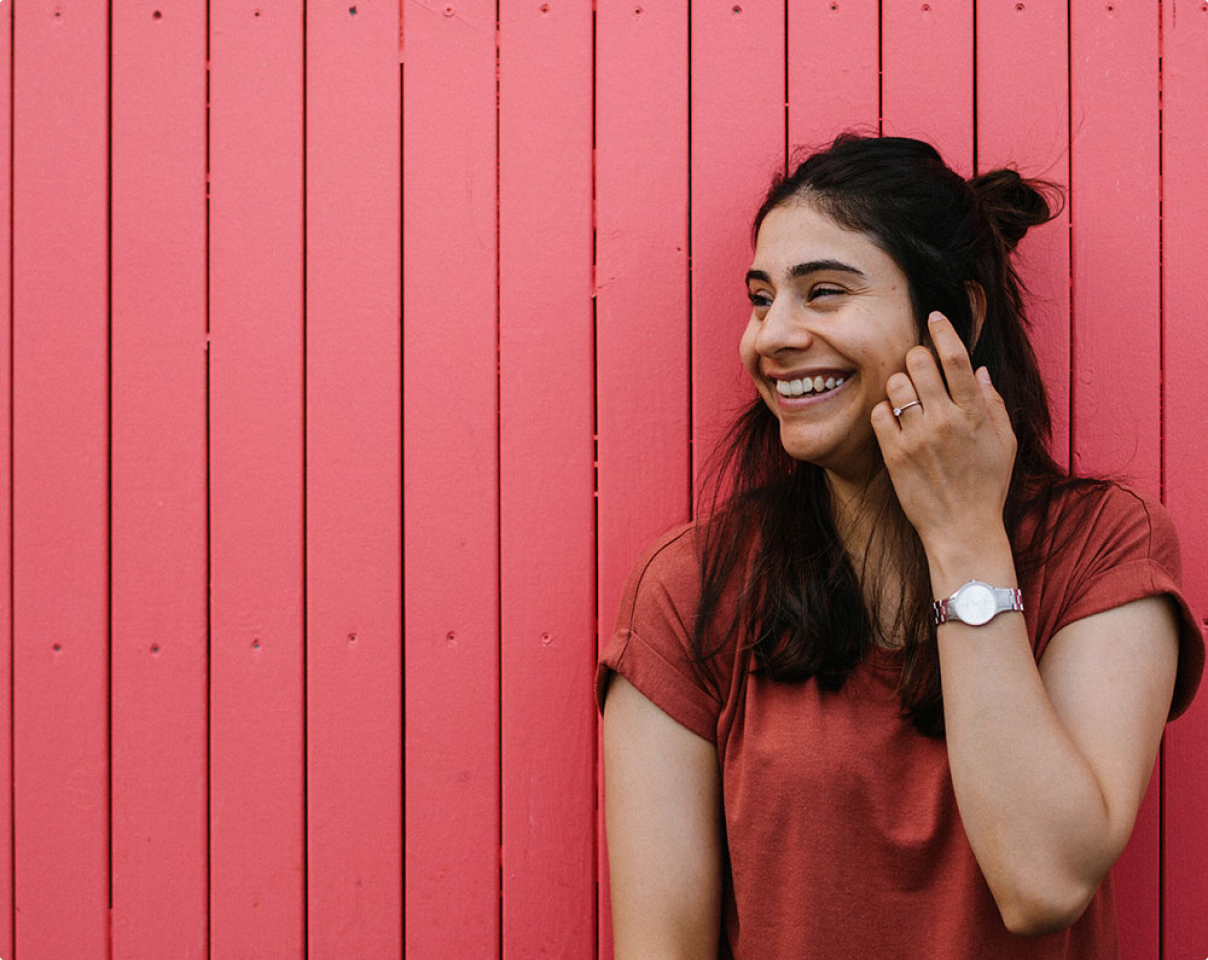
975	603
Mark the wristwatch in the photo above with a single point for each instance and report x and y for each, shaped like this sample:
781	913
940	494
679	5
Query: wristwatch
976	603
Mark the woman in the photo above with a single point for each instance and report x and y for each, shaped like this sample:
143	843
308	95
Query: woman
806	755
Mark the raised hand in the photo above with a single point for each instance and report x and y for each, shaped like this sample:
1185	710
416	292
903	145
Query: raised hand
949	451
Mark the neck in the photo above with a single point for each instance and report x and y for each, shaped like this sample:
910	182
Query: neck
856	506
869	524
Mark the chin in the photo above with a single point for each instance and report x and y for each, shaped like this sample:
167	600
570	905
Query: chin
807	450
829	453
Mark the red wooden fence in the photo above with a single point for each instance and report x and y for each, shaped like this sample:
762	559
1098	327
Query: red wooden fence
355	349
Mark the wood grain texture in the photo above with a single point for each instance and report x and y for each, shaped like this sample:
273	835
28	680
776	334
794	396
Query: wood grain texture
353	484
927	76
257	707
451	459
641	294
1023	122
1116	319
1185	343
60	481
738	141
546	478
833	70
158	485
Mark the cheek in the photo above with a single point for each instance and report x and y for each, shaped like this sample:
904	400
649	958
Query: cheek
746	350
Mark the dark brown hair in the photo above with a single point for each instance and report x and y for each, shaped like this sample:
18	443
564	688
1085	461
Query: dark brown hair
802	607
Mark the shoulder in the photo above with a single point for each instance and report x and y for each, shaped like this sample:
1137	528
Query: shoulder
655	643
1102	525
666	573
1105	545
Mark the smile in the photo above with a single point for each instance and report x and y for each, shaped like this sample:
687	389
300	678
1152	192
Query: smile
808	391
798	388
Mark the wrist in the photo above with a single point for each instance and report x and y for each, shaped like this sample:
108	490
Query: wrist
956	561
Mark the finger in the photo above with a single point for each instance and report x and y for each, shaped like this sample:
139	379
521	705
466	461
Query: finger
903	398
958	370
885	426
925	375
995	405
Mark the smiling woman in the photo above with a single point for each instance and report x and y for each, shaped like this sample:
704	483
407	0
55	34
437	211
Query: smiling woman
898	691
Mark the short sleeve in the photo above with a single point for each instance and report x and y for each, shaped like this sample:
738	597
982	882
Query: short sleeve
1128	549
652	644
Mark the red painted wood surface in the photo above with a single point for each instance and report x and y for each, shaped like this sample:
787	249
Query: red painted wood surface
60	544
158	688
546	479
1185	453
256	483
354	828
416	534
641	293
1114	159
6	487
833	66
450	454
1023	122
927	76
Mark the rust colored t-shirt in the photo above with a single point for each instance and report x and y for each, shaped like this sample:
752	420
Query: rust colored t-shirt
842	830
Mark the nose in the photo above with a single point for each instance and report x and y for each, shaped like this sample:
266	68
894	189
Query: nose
784	327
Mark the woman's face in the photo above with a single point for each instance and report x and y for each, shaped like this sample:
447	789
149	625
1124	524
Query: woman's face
831	309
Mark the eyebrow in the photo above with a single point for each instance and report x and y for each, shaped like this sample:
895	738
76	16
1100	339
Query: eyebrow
810	266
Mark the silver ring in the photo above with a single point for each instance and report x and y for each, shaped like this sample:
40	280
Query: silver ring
897	411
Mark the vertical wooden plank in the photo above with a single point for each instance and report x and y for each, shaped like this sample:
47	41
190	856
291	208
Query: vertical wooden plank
546	451
642	408
833	66
257	710
1023	122
1185	343
1114	103
158	574
353	483
60	480
927	75
451	570
1116	334
6	478
738	143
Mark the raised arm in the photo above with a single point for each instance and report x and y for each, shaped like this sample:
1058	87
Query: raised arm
663	817
1050	764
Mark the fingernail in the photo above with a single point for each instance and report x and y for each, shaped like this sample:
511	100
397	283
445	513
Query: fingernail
983	374
935	317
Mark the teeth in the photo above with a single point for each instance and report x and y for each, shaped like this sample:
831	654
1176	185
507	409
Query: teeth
798	388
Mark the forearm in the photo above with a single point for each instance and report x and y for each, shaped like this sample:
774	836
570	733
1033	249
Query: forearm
1031	807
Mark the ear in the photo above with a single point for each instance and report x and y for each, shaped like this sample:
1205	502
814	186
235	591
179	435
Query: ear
977	307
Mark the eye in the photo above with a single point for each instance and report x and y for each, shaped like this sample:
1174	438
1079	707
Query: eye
759	299
824	291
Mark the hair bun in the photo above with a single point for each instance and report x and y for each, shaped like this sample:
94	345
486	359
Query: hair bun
1013	204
